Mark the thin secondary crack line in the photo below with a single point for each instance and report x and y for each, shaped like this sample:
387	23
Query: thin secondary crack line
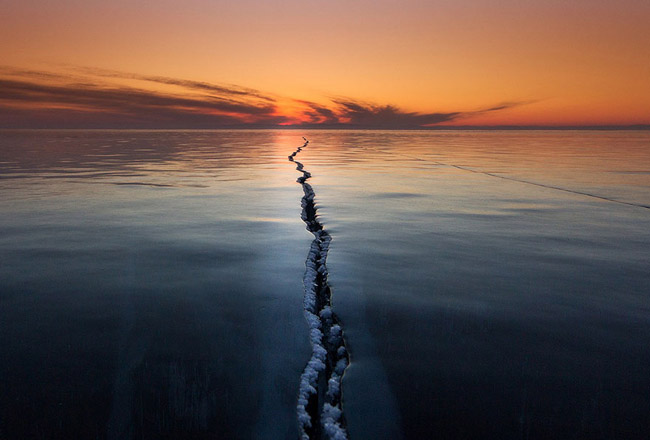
319	409
514	179
557	188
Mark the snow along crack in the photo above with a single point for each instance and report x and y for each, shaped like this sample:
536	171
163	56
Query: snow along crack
320	414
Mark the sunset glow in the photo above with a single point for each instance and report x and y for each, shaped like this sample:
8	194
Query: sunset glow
380	64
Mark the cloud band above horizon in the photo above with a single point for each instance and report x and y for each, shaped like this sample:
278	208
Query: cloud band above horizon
97	98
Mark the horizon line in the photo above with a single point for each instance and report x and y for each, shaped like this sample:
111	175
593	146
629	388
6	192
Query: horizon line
603	127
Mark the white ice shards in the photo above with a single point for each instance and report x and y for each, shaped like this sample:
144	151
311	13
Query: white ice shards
329	355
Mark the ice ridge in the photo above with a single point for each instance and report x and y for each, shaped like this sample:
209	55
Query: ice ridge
319	410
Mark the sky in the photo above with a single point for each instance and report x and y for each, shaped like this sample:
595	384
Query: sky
334	64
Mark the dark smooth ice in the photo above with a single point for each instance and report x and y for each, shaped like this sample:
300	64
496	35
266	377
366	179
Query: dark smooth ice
150	285
479	307
491	285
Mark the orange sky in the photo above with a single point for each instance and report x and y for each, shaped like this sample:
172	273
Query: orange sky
550	63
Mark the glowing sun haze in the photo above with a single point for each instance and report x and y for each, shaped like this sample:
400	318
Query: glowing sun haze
366	64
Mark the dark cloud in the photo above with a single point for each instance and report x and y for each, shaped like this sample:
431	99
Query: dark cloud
348	113
319	114
73	118
89	98
41	100
372	116
220	90
120	98
504	106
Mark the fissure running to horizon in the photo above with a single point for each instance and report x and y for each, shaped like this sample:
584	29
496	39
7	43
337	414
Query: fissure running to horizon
320	412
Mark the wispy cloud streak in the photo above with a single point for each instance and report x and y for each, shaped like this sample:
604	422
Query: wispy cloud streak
91	97
32	98
348	113
221	90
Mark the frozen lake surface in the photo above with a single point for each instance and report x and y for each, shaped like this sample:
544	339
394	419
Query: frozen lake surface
490	285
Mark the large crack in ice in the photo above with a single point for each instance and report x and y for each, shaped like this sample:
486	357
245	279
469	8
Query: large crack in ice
320	414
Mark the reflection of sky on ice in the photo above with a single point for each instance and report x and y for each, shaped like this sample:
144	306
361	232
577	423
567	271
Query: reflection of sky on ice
152	282
151	273
489	308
